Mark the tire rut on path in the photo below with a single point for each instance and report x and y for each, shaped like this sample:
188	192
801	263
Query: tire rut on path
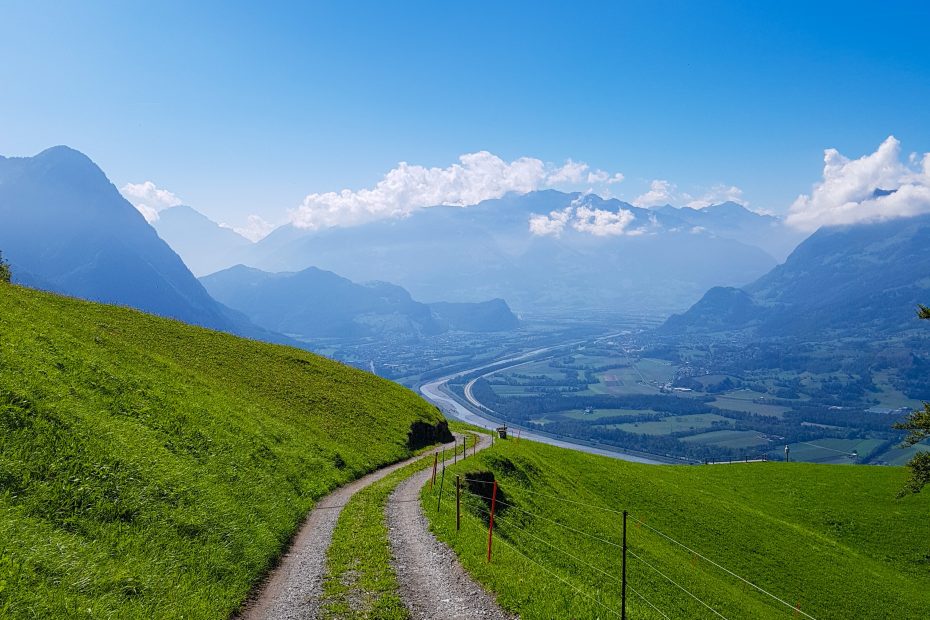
433	584
292	591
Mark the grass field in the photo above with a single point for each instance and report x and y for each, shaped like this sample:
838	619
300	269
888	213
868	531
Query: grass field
674	424
833	541
743	404
836	451
597	414
149	469
729	439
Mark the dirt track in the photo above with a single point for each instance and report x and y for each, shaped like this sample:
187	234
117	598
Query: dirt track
433	583
292	590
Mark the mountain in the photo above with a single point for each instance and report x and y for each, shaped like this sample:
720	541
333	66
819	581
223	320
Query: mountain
486	316
67	229
314	303
133	448
204	245
659	262
866	277
734	221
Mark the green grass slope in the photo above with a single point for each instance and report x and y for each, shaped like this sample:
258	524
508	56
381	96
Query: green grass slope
149	469
831	539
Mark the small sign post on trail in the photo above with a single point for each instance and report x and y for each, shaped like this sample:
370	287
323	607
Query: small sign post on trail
491	522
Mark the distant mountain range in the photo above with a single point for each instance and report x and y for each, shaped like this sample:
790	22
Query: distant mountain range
862	278
661	261
67	229
204	245
314	303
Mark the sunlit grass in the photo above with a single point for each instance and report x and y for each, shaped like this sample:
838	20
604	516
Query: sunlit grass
149	469
833	540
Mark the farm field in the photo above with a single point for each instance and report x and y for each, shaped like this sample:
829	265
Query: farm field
900	456
734	403
150	469
832	542
675	424
837	451
597	414
729	439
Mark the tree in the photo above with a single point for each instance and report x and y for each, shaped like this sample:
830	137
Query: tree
917	424
5	274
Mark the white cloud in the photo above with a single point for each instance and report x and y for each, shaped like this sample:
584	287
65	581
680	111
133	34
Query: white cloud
552	224
716	195
256	228
602	177
570	173
149	199
874	187
476	177
661	192
584	219
601	222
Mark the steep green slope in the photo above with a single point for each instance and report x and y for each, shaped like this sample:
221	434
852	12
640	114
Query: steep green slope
832	540
153	469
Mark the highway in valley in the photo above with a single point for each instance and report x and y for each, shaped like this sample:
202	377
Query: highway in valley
476	413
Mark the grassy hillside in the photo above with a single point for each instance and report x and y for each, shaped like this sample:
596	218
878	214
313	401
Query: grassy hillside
152	469
831	539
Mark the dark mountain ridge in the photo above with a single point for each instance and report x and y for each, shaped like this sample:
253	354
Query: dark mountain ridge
862	277
67	229
314	303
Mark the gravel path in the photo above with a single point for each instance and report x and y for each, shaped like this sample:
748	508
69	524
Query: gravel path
292	590
433	583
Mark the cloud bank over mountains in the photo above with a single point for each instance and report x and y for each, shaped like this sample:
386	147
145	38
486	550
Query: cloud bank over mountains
408	187
878	186
585	219
662	192
875	187
149	199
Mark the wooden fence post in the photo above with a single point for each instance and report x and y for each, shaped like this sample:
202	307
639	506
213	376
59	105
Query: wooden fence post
432	479
458	503
441	481
491	523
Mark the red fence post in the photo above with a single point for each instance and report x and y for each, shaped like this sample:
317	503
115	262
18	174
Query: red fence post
491	523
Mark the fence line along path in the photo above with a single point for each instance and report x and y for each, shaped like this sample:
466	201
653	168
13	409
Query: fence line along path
433	584
292	591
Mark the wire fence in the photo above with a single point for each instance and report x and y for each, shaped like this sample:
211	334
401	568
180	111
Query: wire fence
513	527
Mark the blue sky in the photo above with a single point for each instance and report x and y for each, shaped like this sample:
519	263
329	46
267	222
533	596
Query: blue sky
245	108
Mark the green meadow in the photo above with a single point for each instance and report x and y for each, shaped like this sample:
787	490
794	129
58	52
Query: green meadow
150	469
830	541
